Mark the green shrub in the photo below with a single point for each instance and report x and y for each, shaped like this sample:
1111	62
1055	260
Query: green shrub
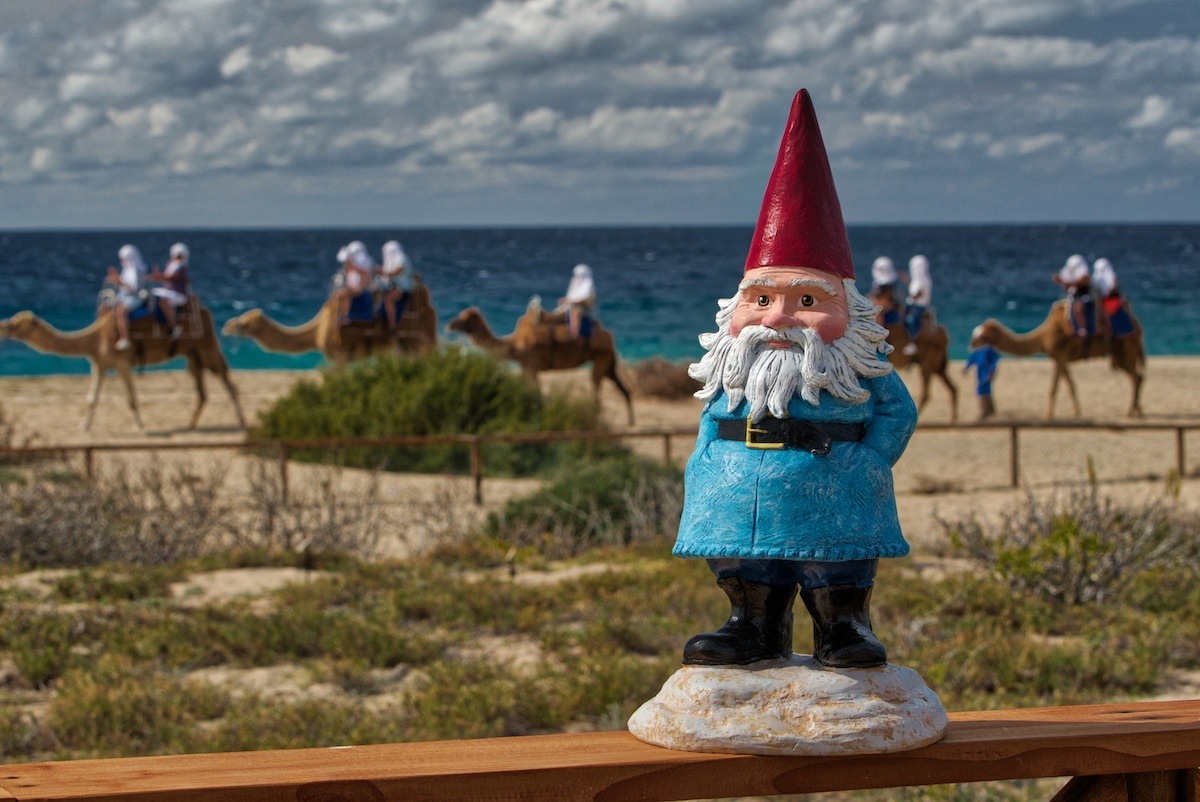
40	644
612	502
447	392
1077	547
117	707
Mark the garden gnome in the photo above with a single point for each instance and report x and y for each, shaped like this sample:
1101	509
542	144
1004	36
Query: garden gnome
790	485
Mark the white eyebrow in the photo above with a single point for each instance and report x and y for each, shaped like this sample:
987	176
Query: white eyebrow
757	282
821	284
796	282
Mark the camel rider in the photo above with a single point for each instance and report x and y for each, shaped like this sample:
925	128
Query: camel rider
1112	300
129	293
395	279
580	302
357	268
883	291
176	286
1081	306
920	298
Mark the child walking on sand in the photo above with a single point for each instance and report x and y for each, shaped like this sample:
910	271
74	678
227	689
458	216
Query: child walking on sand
986	361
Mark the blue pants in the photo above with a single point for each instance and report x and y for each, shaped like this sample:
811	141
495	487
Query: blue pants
912	319
808	574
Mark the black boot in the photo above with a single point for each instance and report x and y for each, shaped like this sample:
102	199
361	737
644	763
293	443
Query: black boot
842	635
759	626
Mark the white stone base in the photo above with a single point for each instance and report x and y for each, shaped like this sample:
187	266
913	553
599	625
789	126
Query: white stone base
791	707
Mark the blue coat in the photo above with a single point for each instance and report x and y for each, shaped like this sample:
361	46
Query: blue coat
788	503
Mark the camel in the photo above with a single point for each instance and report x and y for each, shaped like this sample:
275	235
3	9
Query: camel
97	342
340	344
540	342
1055	339
933	345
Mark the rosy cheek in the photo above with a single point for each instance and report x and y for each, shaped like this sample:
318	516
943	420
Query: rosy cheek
831	329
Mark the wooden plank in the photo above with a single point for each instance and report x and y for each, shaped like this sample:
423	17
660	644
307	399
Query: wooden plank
979	746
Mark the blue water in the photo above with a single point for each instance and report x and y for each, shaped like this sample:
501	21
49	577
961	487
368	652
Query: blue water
658	287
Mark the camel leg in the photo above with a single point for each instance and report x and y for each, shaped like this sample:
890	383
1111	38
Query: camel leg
924	390
953	390
93	395
1060	371
196	368
222	372
1135	404
609	371
126	374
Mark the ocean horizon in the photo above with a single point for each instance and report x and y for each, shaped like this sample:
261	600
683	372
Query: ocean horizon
658	285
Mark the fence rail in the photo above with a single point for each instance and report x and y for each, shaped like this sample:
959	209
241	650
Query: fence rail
1142	752
283	449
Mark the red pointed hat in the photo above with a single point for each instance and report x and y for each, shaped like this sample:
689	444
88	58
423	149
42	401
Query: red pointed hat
800	224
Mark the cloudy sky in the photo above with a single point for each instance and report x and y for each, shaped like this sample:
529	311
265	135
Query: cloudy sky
196	113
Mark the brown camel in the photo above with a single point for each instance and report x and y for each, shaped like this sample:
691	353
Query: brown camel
416	333
932	358
541	342
1055	339
150	346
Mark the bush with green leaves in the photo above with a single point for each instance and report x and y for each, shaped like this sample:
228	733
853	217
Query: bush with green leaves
446	392
1076	546
611	502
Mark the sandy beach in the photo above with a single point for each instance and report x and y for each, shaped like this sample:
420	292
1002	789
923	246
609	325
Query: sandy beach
946	472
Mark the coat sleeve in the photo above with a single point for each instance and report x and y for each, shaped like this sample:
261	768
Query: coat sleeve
894	420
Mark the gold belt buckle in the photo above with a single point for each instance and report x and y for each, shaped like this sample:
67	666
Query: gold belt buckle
751	443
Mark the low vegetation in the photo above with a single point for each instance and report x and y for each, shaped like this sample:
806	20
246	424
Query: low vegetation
114	662
448	392
659	378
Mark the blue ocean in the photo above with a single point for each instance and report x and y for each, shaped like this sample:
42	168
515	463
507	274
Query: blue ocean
657	286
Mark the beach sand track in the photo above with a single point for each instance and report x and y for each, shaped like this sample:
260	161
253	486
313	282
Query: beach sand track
969	467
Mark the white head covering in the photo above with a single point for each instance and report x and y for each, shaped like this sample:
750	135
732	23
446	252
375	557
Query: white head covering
883	272
131	257
1075	270
1104	278
395	260
359	256
179	251
582	288
920	282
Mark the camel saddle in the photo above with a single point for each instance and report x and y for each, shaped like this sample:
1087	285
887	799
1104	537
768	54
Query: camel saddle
152	326
550	328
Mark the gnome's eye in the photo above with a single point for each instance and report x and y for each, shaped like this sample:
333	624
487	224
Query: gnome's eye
762	301
807	300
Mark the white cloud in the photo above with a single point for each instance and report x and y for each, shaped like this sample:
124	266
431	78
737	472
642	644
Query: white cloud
1023	146
1155	111
237	61
1013	55
1184	140
306	58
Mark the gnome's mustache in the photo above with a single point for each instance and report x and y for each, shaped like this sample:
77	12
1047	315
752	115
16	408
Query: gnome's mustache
757	336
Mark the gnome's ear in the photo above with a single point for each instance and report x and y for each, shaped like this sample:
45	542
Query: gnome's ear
800	224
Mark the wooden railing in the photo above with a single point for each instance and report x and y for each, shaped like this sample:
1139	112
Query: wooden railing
1146	752
282	449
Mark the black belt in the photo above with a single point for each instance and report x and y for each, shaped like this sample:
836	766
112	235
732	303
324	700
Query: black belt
773	433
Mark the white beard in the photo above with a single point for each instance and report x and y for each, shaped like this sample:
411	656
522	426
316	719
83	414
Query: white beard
768	377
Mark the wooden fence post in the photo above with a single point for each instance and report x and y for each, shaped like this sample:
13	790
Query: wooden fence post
89	466
1014	456
477	468
1180	458
283	472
